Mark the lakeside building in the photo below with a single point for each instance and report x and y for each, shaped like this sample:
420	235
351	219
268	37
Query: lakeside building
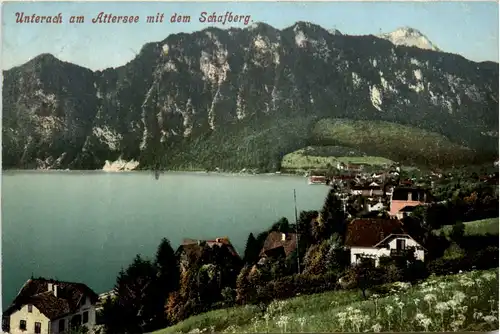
46	306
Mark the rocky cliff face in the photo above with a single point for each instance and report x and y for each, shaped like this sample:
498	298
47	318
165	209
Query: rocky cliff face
182	92
409	37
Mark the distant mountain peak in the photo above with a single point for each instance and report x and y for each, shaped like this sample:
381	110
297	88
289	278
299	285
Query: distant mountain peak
409	36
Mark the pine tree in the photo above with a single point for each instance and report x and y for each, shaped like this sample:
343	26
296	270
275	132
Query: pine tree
251	250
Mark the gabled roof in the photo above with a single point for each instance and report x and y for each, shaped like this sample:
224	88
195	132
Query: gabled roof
36	292
275	240
193	245
367	232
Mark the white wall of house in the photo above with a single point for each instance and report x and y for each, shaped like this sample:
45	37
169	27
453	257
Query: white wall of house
376	253
30	318
419	252
376	207
87	307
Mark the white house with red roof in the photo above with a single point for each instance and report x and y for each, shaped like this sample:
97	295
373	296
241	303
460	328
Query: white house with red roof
372	238
45	306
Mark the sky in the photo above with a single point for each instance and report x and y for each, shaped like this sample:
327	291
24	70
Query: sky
466	28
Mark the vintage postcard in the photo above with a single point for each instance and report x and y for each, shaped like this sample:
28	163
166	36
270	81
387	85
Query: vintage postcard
268	167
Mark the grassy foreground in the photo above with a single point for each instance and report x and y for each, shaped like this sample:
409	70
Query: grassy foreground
467	302
476	227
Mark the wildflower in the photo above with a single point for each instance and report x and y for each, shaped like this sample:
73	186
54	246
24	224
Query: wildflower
429	298
492	304
342	319
456	325
466	282
490	319
477	315
376	328
423	321
459	296
302	322
282	322
388	310
453	305
441	307
443	286
488	276
267	316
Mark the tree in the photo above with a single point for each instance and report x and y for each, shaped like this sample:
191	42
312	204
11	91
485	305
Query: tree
166	280
457	232
332	217
252	250
366	275
135	290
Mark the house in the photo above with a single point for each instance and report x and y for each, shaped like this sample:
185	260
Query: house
278	244
372	238
341	166
407	196
48	306
192	248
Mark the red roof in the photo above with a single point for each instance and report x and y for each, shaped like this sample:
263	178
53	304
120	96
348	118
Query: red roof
275	240
187	243
367	232
36	292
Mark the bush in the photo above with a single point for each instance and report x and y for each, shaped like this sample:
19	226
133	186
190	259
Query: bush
482	259
291	286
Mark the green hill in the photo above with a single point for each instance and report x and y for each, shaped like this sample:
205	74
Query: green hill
476	227
402	143
407	309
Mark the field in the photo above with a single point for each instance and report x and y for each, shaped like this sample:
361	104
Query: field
310	158
466	302
394	141
476	227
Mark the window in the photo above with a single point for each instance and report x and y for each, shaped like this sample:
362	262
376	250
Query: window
400	244
62	322
30	308
22	325
85	317
38	328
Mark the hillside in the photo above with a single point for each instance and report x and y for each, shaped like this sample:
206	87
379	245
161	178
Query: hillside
241	98
346	311
476	227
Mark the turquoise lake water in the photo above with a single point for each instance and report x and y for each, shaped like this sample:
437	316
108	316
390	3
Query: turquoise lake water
86	226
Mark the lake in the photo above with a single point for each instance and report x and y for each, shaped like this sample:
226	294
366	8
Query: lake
86	226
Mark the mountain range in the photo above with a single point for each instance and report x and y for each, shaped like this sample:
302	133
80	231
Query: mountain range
244	98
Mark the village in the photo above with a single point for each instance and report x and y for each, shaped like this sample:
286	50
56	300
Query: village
375	204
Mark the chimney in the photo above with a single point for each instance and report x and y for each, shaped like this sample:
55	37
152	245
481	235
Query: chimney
283	237
55	289
50	287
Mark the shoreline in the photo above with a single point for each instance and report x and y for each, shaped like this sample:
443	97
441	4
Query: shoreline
101	171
